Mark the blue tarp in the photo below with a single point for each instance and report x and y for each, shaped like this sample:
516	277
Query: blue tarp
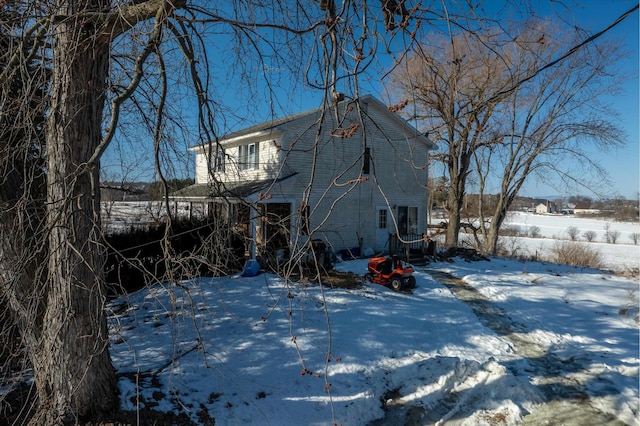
251	268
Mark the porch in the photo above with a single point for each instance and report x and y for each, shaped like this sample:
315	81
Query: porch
414	248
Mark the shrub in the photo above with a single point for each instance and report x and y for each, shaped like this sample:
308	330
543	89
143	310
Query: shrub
511	248
576	254
508	247
534	231
610	235
511	231
138	256
573	233
589	235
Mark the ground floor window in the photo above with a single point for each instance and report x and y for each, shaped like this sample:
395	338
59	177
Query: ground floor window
407	220
382	219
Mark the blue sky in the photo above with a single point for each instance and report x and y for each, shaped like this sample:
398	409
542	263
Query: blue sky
242	109
623	164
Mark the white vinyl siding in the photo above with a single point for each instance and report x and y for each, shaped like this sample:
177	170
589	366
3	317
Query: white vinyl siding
343	197
251	161
396	166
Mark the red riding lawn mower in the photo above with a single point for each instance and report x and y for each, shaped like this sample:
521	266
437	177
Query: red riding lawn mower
391	272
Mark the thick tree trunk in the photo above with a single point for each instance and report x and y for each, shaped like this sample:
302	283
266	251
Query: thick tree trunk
491	242
505	200
454	208
51	261
453	228
458	167
73	369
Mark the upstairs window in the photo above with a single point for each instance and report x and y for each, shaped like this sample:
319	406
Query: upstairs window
218	161
248	157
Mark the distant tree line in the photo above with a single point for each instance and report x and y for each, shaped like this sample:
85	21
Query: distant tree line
617	208
157	188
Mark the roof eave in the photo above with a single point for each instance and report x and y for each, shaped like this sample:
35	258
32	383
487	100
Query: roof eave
237	140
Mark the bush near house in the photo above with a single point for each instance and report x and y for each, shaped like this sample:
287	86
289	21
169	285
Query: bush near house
140	256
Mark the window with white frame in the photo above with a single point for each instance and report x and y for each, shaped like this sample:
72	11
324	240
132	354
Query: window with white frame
407	220
413	220
248	156
382	219
218	161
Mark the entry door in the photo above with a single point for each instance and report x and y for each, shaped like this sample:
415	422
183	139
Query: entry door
382	228
277	225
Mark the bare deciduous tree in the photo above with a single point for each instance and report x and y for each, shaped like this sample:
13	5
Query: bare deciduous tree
453	84
52	280
549	123
573	233
502	110
110	61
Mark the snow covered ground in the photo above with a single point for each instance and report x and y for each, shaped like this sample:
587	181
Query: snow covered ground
530	342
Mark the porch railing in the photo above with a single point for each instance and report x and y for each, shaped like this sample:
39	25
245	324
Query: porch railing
411	246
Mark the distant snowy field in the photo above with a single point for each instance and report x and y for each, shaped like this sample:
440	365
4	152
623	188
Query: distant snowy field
556	226
622	256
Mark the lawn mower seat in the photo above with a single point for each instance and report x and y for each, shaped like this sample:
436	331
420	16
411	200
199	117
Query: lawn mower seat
397	262
385	267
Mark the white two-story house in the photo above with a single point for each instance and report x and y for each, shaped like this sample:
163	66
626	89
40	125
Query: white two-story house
350	175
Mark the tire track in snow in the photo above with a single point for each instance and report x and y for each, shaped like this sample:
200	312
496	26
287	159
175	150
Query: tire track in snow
565	397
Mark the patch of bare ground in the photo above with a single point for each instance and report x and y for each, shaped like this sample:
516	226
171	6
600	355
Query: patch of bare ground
342	279
148	417
23	404
329	278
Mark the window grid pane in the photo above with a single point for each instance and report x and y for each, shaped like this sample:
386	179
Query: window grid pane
251	156
413	220
382	219
219	161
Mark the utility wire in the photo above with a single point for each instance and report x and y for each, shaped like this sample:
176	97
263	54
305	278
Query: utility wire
561	58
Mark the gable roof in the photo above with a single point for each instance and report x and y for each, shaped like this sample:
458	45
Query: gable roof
276	124
399	121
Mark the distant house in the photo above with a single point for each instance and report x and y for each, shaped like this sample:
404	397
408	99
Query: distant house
542	209
585	208
546	207
348	176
